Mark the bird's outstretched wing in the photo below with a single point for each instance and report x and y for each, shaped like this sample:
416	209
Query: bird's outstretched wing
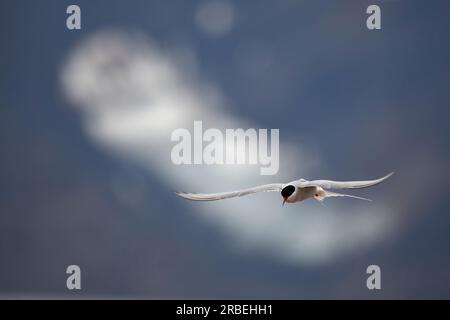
231	194
329	184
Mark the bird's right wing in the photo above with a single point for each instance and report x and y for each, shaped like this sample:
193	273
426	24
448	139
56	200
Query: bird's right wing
329	184
231	194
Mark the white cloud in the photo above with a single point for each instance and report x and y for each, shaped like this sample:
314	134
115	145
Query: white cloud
215	18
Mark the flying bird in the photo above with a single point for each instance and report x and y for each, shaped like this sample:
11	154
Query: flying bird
294	191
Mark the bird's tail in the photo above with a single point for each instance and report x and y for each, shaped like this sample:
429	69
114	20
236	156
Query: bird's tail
325	194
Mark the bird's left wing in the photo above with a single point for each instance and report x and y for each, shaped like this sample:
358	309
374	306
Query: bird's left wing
231	194
329	184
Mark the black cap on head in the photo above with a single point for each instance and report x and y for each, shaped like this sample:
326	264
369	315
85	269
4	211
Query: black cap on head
287	191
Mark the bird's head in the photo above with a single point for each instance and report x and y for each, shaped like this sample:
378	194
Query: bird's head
287	193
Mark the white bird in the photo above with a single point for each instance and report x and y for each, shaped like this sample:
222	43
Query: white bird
294	191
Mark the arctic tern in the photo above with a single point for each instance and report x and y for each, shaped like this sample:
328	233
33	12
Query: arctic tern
294	191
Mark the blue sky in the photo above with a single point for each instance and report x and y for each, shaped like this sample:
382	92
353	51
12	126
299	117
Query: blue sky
350	103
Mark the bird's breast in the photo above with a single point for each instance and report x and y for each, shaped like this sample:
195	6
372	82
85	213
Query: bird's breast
305	193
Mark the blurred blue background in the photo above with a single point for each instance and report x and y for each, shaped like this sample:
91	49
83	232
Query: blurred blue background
79	186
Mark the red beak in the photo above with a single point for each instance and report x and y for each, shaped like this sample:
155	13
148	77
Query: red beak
284	201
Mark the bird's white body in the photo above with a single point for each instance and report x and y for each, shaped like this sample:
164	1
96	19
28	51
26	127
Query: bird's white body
302	194
294	191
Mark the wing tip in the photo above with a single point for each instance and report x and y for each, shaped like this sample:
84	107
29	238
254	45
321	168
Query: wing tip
182	194
387	176
192	196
